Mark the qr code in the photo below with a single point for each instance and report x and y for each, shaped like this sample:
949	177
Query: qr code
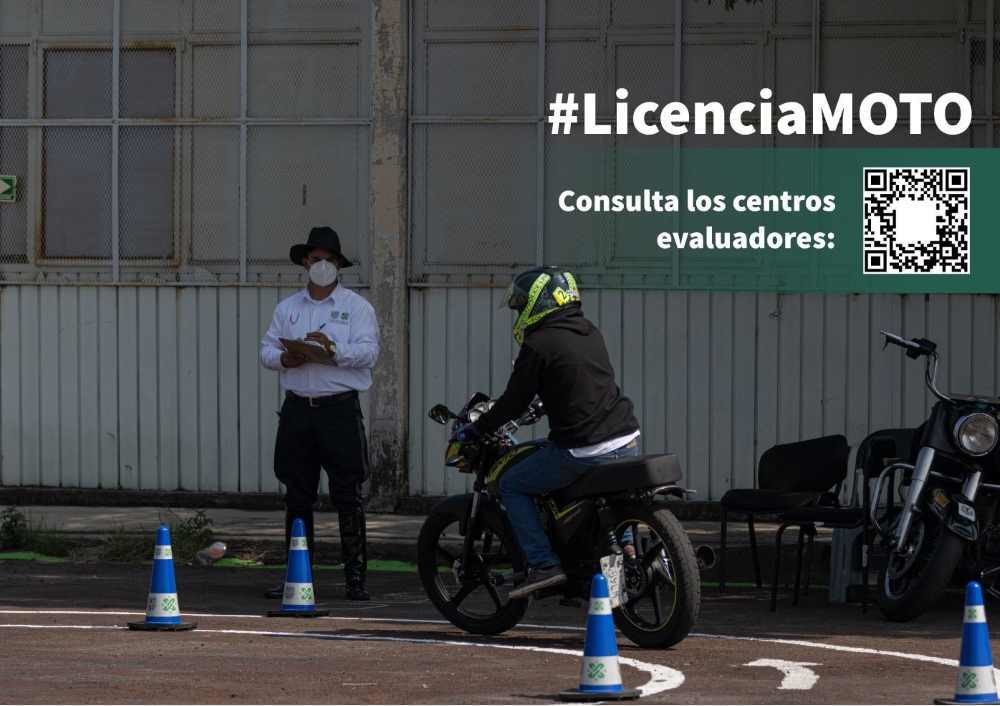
916	220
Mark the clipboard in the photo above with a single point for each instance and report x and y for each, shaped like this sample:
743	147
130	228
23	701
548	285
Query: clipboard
313	352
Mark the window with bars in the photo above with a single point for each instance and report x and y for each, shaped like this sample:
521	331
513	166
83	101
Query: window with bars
76	172
167	174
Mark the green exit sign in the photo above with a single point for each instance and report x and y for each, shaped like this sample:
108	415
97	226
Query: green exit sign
8	188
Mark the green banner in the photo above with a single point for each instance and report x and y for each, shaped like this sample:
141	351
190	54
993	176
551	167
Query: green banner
808	220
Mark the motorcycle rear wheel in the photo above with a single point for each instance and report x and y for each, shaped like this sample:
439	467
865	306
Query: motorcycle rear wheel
474	598
667	574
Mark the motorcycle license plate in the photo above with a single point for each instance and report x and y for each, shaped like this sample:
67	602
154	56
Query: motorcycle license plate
613	568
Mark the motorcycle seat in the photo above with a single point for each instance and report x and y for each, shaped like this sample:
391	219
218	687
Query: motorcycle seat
627	474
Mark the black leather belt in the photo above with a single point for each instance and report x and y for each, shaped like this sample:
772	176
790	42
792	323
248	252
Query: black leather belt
323	401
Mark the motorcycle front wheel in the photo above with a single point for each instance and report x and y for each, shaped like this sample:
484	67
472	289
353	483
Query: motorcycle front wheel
662	582
473	596
912	582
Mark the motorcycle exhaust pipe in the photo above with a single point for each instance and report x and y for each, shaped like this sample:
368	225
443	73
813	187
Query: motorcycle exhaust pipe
706	557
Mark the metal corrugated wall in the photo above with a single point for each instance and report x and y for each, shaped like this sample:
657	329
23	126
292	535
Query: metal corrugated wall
716	377
137	387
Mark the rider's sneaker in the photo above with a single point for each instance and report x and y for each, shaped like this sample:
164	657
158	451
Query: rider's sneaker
538	579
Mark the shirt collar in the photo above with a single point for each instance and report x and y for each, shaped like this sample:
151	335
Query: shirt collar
305	295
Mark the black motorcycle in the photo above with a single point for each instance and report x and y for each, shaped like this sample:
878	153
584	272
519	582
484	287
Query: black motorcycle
947	509
615	520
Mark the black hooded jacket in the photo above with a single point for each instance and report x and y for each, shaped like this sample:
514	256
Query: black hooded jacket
565	362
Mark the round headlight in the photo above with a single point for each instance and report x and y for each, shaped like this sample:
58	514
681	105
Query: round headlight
976	434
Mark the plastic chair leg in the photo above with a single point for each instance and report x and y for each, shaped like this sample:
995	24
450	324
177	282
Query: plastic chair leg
722	551
753	551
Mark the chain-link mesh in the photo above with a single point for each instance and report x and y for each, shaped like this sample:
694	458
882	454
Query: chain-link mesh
13	155
76	195
212	200
147	186
300	177
215	91
69	197
13	204
578	160
76	83
304	81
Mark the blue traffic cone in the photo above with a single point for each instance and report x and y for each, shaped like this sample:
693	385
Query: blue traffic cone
976	681
600	678
299	599
163	611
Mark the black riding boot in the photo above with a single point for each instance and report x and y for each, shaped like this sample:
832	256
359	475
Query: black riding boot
354	548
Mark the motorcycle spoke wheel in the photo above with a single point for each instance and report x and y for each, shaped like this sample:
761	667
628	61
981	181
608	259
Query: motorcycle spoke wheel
649	580
472	590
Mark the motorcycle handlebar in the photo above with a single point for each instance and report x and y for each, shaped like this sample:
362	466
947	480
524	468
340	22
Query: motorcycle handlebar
900	341
914	347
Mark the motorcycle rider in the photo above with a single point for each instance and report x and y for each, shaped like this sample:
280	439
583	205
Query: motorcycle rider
564	361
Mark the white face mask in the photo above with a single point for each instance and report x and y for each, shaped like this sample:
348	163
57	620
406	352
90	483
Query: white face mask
323	273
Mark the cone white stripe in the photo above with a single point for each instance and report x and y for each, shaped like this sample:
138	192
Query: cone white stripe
299	594
975	614
297	543
162	605
162	551
600	671
975	681
600	606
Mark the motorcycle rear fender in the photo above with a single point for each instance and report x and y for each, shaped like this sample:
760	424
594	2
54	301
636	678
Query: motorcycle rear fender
674	491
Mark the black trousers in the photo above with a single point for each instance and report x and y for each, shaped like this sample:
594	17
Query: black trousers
330	437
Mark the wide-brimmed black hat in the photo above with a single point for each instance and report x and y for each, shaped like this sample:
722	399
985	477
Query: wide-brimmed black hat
320	237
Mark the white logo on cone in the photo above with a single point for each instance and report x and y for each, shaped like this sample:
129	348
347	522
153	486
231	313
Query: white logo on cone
975	681
600	671
600	606
298	543
975	614
162	551
299	594
162	605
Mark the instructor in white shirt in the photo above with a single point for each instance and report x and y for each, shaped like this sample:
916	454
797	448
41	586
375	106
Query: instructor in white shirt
321	424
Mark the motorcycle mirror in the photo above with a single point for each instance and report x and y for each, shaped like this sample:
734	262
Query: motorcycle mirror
440	414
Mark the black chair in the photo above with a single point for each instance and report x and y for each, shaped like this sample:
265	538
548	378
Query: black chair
877	451
789	476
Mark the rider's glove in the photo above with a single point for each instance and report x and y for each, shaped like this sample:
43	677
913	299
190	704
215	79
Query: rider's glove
468	432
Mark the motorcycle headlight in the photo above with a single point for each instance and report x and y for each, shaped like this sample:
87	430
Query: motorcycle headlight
976	434
479	410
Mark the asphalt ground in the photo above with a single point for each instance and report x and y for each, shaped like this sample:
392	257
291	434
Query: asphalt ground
62	628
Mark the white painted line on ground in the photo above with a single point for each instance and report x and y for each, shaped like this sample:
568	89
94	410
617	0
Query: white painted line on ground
915	656
912	656
661	679
62	627
797	675
425	621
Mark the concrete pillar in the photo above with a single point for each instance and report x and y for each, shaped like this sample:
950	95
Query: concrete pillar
390	240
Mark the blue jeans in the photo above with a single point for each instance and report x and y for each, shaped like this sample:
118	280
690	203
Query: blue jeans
547	469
